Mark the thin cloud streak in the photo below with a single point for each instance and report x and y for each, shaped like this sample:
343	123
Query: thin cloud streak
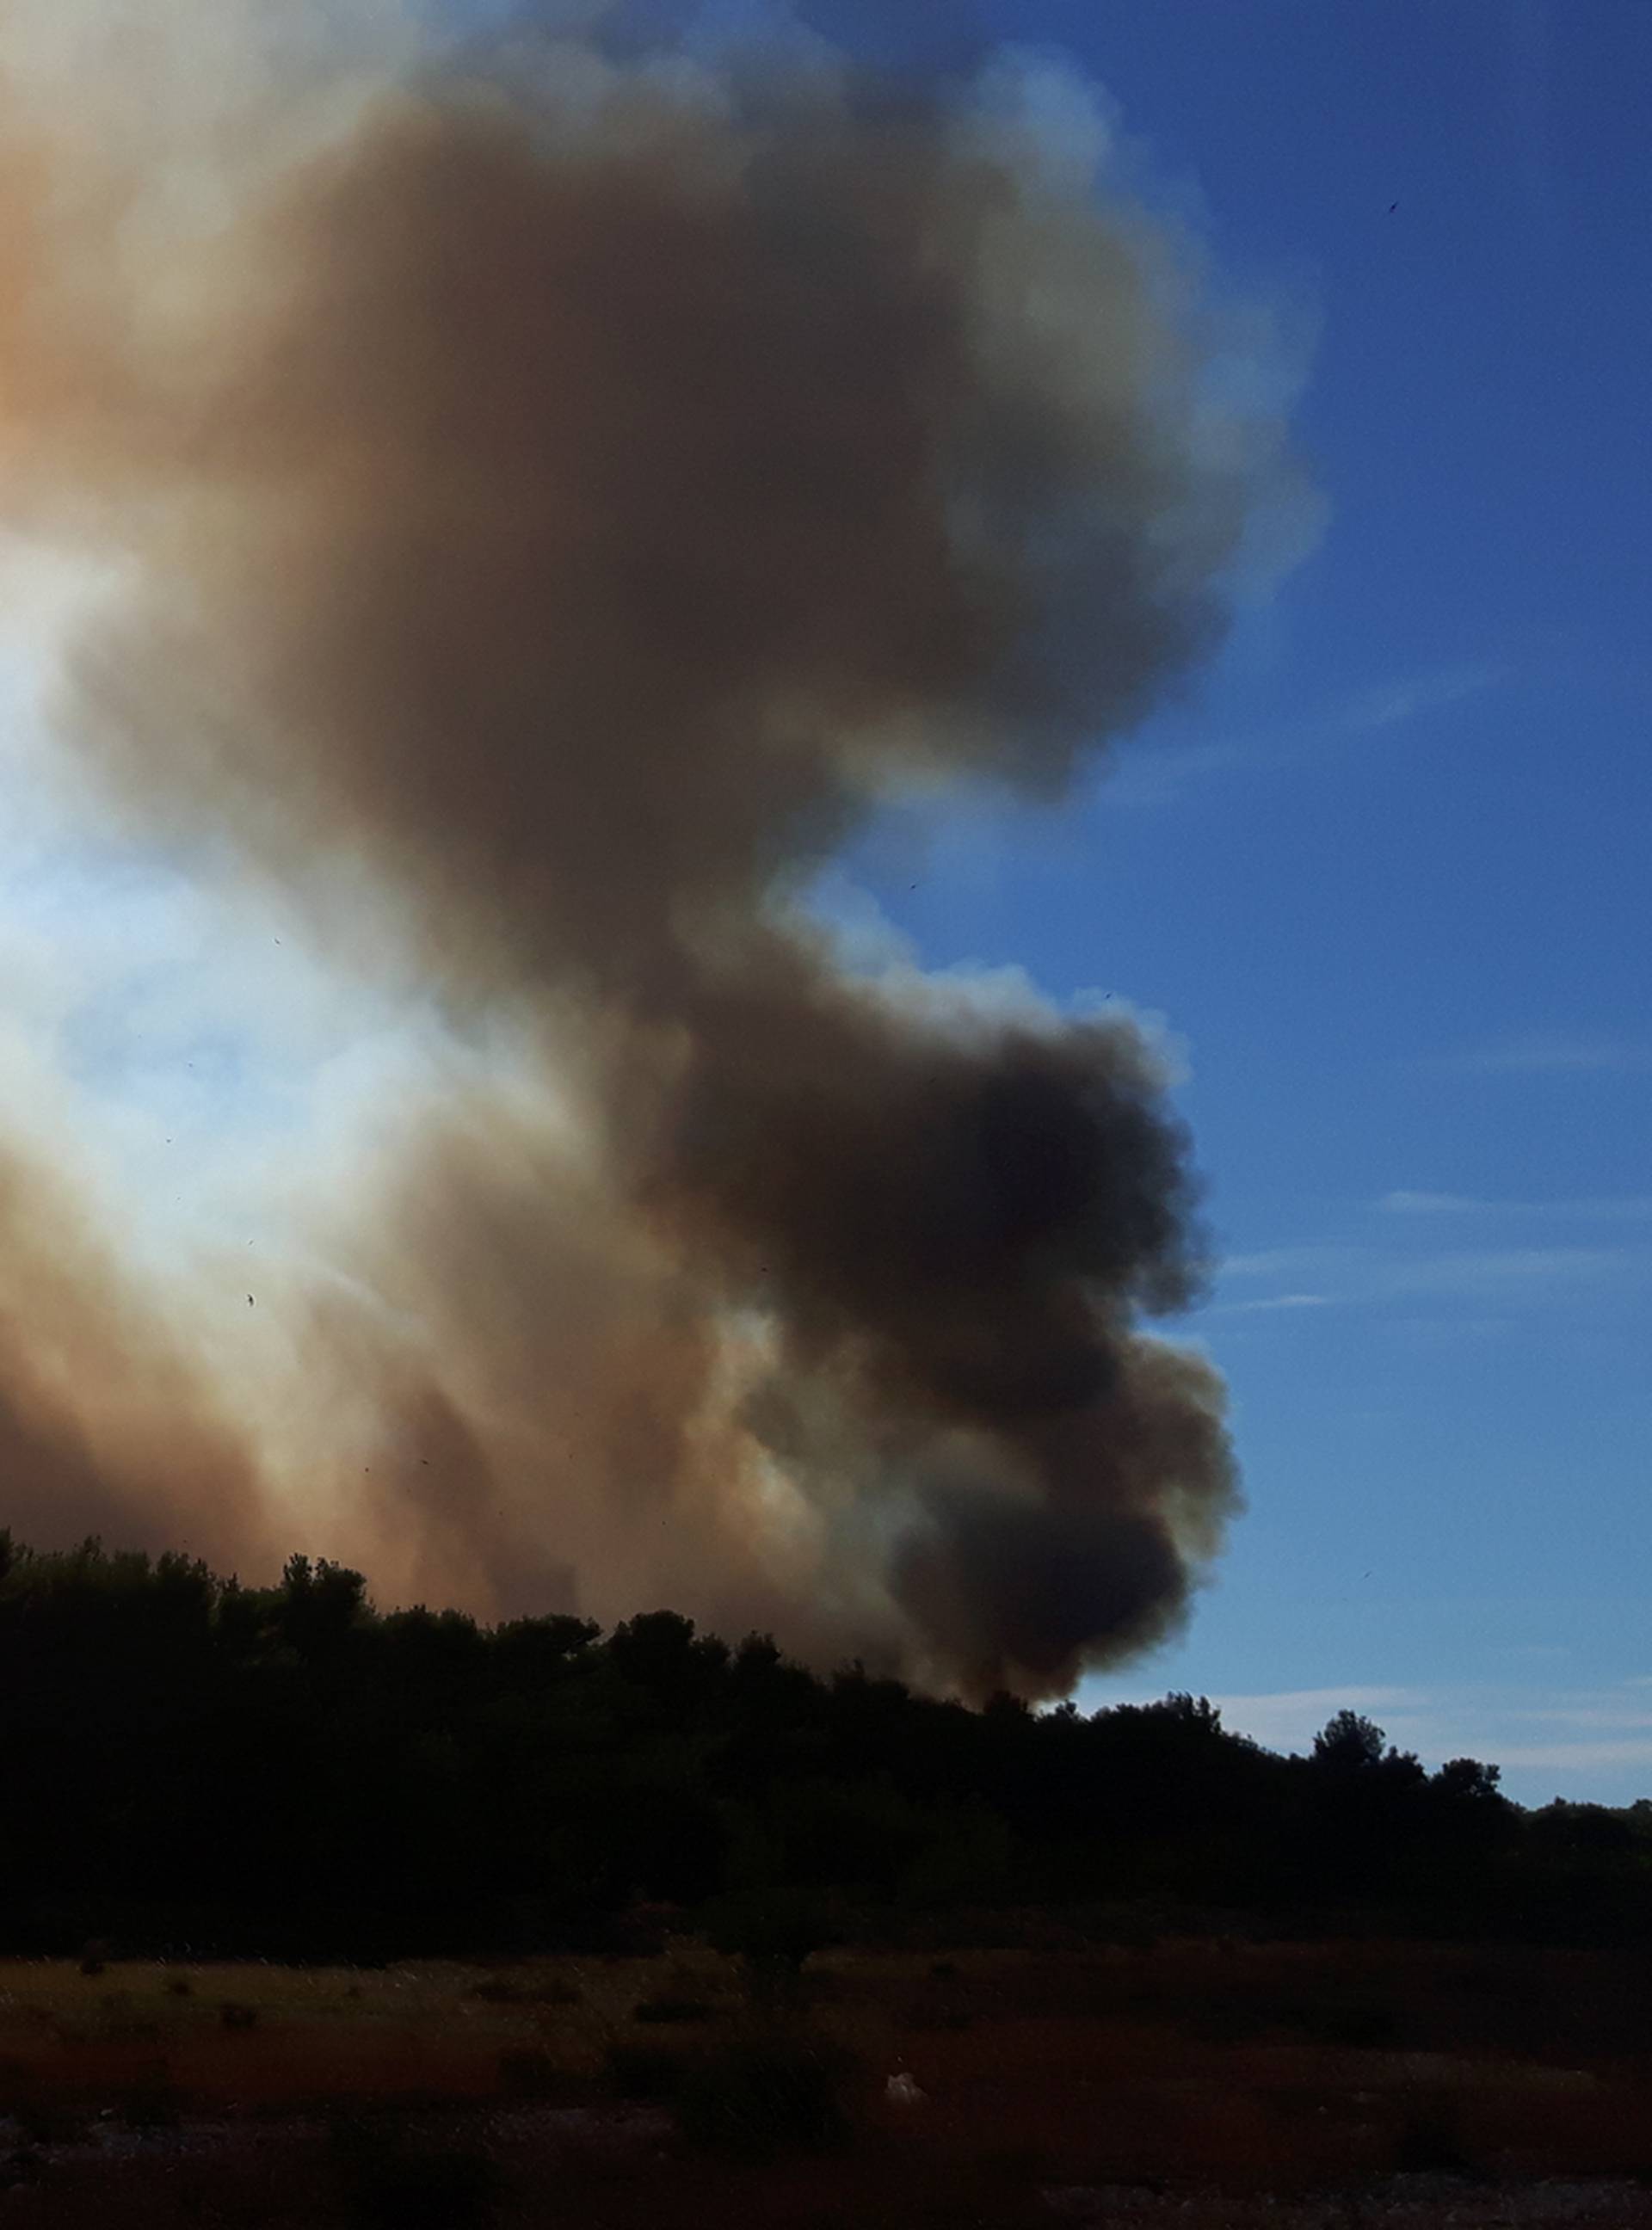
1551	1052
1279	1261
1291	1716
1398	701
1491	1272
1156	777
1353	1275
1153	776
1594	1716
1489	1722
1631	1207
1523	1729
1577	1757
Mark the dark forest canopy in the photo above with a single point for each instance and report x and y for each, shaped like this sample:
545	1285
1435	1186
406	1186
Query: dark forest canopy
193	1765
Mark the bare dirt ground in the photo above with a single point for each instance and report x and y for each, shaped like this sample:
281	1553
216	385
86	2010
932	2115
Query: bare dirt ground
1208	2085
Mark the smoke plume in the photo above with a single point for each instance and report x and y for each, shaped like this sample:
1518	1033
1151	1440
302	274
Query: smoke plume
538	509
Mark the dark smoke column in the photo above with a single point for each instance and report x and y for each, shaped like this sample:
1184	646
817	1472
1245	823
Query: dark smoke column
960	1228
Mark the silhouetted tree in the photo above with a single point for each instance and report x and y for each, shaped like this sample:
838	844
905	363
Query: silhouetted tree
187	1760
1349	1744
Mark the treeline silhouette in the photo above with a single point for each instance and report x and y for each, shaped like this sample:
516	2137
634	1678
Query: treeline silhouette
195	1767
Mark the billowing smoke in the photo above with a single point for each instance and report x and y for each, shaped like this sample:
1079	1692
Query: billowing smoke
542	507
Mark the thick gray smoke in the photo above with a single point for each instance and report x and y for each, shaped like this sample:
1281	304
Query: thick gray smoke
553	505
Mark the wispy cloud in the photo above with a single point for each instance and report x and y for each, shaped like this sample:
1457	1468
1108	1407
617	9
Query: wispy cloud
1279	1261
1396	701
1581	1757
1553	1052
1624	1208
1624	1718
1590	1735
1580	1741
1487	1272
1289	1718
1399	1272
1431	1204
1271	1301
1158	775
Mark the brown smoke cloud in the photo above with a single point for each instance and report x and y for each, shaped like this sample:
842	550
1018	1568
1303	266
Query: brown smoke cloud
551	505
95	1403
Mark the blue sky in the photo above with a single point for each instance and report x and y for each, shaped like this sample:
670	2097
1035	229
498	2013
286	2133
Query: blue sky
1385	872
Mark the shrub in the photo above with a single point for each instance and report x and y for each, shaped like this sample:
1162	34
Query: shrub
46	2121
392	2181
554	1992
151	2103
1359	2027
23	2165
1429	2140
778	1928
765	2096
527	2072
643	2071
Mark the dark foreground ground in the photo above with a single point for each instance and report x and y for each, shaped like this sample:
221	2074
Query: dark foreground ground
1196	2083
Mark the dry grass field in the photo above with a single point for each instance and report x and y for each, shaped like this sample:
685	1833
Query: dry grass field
1199	2083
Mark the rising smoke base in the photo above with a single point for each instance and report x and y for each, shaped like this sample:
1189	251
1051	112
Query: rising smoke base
549	505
